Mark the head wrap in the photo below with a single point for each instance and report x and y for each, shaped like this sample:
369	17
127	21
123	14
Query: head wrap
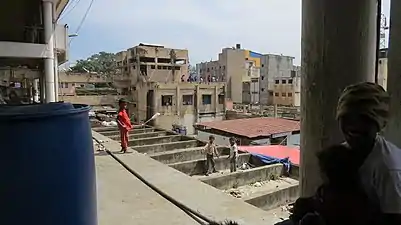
367	99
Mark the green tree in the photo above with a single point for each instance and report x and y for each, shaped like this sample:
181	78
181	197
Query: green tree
101	63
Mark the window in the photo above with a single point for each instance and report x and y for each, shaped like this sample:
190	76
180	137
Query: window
167	100
263	65
66	85
82	85
293	73
262	77
200	70
224	67
263	90
283	94
187	99
289	94
276	94
277	81
221	99
159	67
73	84
207	70
290	81
284	81
206	99
270	93
153	67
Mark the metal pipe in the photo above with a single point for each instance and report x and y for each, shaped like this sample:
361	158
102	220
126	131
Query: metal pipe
49	40
378	32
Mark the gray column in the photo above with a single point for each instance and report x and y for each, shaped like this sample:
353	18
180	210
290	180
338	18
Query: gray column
338	49
394	74
49	40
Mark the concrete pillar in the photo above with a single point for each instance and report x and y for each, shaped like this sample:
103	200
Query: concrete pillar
49	40
338	49
42	89
35	87
216	99
394	74
178	99
56	84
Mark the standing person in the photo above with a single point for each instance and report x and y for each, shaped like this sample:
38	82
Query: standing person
210	151
124	124
233	154
362	113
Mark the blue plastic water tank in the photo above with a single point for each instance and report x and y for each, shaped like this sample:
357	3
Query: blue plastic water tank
47	165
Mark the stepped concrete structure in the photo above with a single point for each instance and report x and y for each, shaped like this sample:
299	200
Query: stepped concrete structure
175	164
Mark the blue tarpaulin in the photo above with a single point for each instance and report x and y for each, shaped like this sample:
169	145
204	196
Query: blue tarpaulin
271	160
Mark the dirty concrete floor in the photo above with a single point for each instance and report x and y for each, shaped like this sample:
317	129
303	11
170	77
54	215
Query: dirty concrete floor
123	199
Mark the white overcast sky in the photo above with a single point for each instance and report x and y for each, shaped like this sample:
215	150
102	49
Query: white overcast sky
203	27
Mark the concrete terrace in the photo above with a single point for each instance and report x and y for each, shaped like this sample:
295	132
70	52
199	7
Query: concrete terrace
174	163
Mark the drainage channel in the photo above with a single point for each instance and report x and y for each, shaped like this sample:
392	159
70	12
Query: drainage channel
263	186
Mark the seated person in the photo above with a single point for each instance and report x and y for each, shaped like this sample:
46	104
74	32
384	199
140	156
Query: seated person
340	200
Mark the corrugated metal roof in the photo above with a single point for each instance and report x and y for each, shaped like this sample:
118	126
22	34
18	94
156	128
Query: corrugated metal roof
254	127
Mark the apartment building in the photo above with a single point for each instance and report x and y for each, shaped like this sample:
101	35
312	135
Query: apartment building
153	63
69	81
183	104
238	68
251	77
287	90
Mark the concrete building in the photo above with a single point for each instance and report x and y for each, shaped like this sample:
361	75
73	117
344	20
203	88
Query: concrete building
32	44
153	63
287	90
279	80
182	104
251	77
238	68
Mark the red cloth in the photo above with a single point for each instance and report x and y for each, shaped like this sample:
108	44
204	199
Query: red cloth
124	138
123	120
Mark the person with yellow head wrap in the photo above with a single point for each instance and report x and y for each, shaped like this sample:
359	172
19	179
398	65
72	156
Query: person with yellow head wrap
363	112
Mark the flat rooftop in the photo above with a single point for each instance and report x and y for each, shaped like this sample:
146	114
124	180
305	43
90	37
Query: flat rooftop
253	127
174	163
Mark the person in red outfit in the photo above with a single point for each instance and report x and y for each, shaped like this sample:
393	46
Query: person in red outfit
124	124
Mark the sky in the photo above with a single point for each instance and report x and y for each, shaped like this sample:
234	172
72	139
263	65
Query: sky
203	27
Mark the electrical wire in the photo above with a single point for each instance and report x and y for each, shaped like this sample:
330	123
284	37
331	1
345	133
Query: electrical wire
70	9
190	212
83	19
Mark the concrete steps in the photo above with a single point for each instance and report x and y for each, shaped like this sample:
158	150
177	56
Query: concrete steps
182	155
140	136
115	131
157	140
262	186
163	147
226	180
271	194
196	167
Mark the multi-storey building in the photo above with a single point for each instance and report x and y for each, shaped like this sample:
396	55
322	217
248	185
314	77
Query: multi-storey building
183	104
251	77
287	90
159	84
153	63
238	68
